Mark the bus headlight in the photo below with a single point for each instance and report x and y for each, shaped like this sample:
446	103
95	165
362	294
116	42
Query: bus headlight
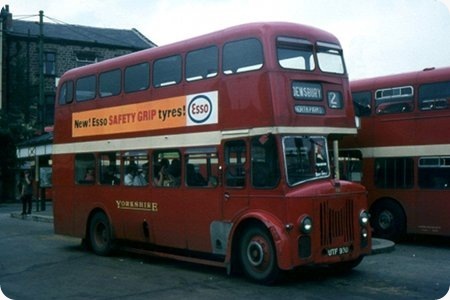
364	217
306	225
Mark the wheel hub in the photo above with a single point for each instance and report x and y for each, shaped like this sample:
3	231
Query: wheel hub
255	253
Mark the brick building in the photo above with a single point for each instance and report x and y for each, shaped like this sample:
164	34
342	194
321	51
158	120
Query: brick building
33	57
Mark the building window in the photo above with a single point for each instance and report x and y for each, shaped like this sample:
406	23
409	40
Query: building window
86	58
50	63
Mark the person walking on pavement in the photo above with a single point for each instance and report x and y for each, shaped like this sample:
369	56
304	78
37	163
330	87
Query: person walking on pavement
26	192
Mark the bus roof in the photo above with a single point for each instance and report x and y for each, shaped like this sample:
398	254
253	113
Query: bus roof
401	79
218	37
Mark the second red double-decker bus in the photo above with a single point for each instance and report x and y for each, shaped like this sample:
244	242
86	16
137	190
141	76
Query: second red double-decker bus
213	150
404	147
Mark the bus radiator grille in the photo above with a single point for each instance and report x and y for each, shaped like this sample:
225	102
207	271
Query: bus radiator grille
336	222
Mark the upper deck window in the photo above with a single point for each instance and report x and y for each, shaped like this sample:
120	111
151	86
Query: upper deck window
242	56
330	58
394	100
167	71
85	88
434	96
137	78
66	92
295	53
362	102
202	63
110	83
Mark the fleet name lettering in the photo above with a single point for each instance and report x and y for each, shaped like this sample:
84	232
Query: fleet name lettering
137	205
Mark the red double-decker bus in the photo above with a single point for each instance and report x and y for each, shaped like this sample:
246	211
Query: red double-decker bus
213	150
402	151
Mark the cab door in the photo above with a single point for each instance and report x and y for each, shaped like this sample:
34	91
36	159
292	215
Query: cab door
235	178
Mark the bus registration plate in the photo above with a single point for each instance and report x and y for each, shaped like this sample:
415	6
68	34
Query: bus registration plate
338	251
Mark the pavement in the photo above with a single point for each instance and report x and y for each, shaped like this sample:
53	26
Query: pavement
39	212
44	213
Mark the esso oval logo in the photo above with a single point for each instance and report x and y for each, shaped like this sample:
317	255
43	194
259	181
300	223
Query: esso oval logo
200	109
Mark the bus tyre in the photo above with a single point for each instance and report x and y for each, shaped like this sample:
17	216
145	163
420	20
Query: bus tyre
258	256
388	220
100	235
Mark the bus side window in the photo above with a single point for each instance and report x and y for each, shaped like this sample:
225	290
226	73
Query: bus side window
85	88
167	71
201	169
362	102
85	168
166	170
265	167
110	83
235	159
137	78
202	63
394	172
434	96
242	56
135	168
66	93
350	165
394	100
434	172
109	168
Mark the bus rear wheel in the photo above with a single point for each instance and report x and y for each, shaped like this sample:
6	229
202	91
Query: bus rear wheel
388	220
258	256
100	235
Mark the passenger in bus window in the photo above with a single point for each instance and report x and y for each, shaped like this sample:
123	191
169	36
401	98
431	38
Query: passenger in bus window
89	177
162	176
175	171
212	181
139	178
194	178
109	177
129	176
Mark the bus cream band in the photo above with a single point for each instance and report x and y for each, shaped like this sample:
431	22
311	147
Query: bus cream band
190	110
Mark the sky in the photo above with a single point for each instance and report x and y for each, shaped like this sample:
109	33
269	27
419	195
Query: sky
379	37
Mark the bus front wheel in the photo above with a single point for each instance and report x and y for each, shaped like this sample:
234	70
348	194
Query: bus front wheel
258	256
100	235
388	220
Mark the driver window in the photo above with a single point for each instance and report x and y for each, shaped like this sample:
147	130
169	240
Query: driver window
235	159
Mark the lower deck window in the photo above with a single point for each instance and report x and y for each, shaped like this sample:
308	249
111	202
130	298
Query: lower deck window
434	172
395	172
